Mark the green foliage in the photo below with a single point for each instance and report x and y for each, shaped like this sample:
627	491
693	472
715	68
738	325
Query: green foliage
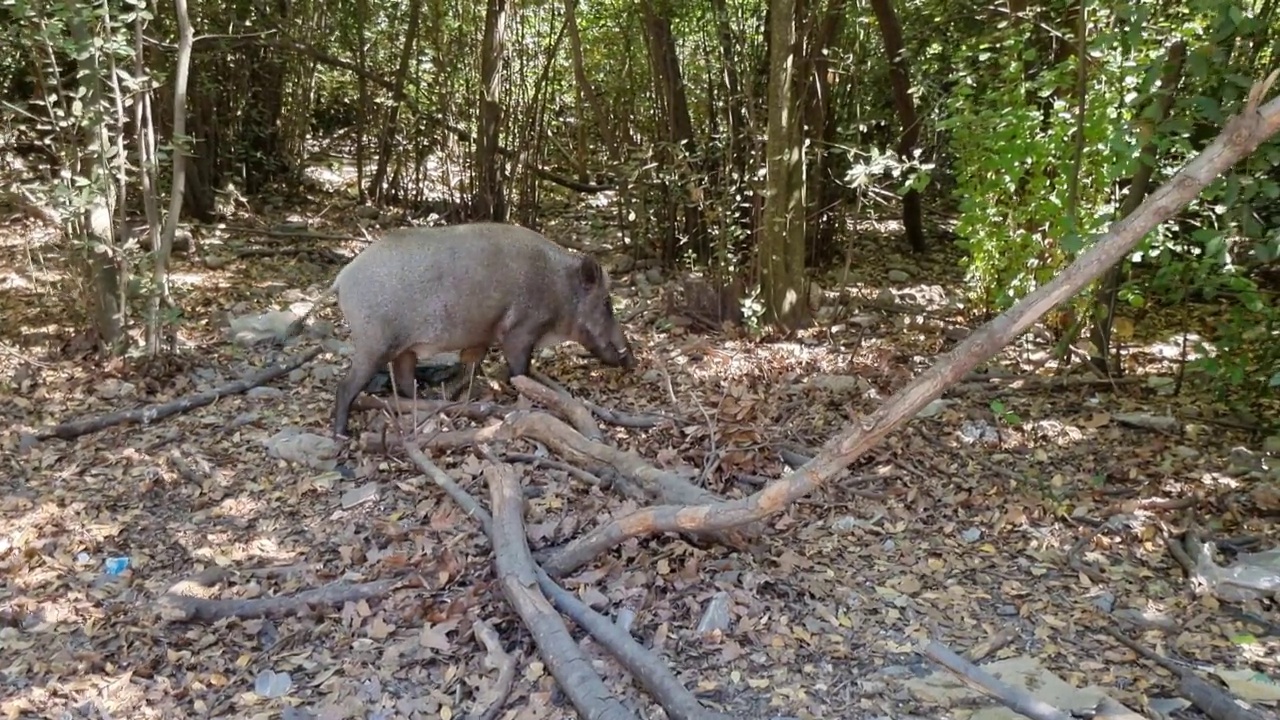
1011	128
1207	257
1004	414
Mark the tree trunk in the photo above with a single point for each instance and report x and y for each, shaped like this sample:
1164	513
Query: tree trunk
162	250
822	187
1109	290
584	84
261	145
489	203
366	109
782	242
739	137
666	63
94	227
900	82
390	125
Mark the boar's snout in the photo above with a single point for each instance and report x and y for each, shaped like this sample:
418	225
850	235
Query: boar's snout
614	351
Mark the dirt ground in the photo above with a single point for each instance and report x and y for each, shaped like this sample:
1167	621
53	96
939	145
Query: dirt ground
1023	516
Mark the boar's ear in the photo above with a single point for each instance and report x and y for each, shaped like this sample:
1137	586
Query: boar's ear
590	272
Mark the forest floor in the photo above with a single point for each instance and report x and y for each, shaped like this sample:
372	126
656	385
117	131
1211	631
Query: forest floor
959	527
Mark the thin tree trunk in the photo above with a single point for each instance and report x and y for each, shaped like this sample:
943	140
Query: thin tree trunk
900	82
1108	293
822	188
180	142
489	203
666	62
390	125
739	139
94	225
584	84
362	21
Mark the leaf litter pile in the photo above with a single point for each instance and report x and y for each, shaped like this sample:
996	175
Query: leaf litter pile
226	558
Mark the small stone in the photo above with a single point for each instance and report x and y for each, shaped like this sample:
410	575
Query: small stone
359	496
264	392
897	276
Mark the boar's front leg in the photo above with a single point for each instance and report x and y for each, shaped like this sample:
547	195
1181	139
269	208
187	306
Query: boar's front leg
518	345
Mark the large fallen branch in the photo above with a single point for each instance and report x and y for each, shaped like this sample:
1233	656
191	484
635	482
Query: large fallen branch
656	677
564	403
513	565
151	413
1241	136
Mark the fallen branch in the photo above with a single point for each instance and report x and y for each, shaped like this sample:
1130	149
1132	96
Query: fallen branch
644	482
1016	699
500	660
1078	564
151	413
613	417
327	254
1242	134
656	678
287	234
536	461
679	703
565	405
513	566
1212	700
178	604
1041	382
422	406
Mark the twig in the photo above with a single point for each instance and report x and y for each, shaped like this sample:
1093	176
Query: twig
500	660
583	475
1215	702
175	606
422	406
289	234
1078	564
151	413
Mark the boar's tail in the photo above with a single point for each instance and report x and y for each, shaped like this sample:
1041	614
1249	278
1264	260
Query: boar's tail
296	326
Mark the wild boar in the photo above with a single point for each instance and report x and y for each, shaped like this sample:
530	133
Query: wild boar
416	292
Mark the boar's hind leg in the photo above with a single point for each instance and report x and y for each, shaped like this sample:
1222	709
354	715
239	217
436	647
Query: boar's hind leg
402	370
470	359
364	365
